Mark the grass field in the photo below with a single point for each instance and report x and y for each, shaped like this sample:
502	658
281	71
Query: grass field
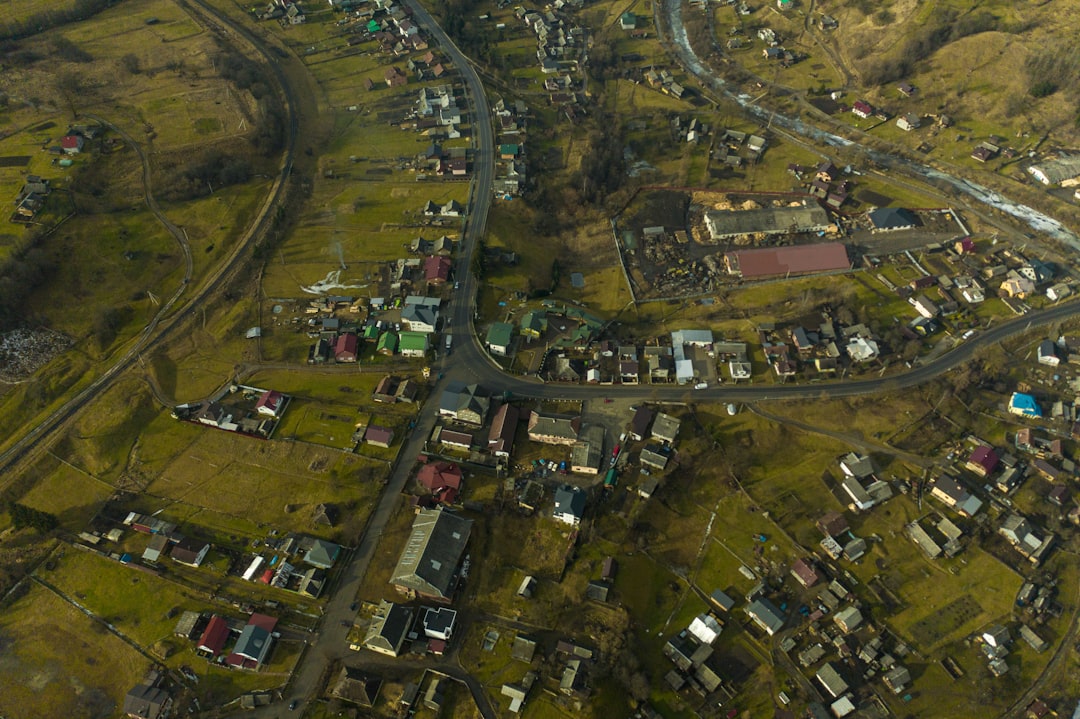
58	662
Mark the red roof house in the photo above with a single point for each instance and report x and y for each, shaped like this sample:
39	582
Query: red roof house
862	109
983	461
804	573
437	269
270	403
72	144
345	347
214	636
378	436
436	475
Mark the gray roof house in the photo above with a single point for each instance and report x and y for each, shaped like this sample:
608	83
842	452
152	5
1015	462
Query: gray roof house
388	629
322	554
464	403
429	561
765	614
832	681
569	504
148	700
665	428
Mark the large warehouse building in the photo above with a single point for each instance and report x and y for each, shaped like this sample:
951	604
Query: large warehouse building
805	217
787	261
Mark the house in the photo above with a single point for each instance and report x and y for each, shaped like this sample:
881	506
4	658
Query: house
438	623
891	219
499	337
586	455
860	498
157	548
897	679
787	260
597	590
437	269
148	699
553	429
862	109
322	554
906	89
955	495
1058	292
1032	639
1048	353
271	403
464	403
253	646
213	638
722	600
705	628
985	151
858	466
569	504
72	144
832	524
428	564
804	573
441	478
848	619
765	615
534	324
420	317
387	343
346	347
413	344
388	628
831	680
356	687
523	648
922	539
654	456
1019	287
925	306
665	428
909	121
983	461
503	430
1024	405
1019	533
395	77
647	487
628	21
378	436
639	425
190	551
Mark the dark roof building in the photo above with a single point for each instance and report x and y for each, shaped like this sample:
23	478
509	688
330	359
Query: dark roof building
355	686
429	561
148	700
253	646
388	629
889	219
503	430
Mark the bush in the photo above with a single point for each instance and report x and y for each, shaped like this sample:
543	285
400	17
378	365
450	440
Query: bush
1043	88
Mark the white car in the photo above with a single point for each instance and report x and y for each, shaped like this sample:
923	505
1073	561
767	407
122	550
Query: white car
701	385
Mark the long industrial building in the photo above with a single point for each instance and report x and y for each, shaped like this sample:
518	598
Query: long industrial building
787	261
807	217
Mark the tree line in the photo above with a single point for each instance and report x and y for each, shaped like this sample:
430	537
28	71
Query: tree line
12	28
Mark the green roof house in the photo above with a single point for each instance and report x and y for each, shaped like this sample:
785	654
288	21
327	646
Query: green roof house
413	344
499	337
322	554
534	323
387	343
371	332
508	152
373	27
628	21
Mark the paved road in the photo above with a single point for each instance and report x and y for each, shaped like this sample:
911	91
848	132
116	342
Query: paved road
330	643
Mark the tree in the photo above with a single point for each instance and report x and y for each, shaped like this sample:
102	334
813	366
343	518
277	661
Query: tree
23	517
